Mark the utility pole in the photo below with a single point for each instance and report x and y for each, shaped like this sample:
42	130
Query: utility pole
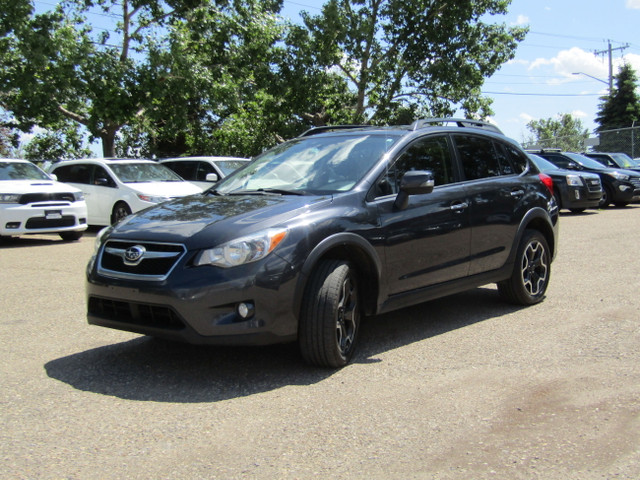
610	51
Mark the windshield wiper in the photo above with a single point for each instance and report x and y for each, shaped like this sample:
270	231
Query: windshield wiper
266	191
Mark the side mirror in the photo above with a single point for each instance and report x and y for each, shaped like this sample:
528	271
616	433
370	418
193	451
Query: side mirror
416	182
212	177
53	176
101	181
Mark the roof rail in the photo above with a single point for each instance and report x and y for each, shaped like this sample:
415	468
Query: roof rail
460	122
330	128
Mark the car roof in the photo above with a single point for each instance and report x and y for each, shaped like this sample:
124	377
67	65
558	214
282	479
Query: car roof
213	158
105	161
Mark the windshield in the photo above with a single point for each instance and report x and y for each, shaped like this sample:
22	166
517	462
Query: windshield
143	172
586	161
227	167
314	165
623	160
21	171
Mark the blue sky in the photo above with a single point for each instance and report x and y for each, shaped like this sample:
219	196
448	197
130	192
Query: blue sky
539	81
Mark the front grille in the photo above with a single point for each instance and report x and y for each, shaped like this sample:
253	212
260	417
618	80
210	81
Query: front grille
46	197
635	181
156	263
594	185
42	222
142	314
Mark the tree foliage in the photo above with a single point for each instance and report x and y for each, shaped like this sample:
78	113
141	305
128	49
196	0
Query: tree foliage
619	110
231	77
564	132
408	58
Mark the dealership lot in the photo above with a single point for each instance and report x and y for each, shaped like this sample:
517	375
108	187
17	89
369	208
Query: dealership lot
462	387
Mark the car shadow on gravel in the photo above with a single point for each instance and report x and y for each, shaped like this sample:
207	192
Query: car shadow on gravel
148	369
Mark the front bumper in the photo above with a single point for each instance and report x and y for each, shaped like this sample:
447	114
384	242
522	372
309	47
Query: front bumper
580	197
199	305
55	217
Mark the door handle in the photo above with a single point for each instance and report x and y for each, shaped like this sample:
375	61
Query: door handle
459	207
517	193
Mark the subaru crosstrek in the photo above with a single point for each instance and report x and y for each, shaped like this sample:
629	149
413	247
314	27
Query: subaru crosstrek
317	233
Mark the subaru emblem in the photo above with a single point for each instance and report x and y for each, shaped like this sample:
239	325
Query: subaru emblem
133	255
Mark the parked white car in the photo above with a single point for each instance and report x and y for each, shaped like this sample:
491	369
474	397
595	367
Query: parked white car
204	171
115	188
33	202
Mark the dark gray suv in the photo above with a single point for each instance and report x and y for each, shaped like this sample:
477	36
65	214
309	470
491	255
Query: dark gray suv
317	233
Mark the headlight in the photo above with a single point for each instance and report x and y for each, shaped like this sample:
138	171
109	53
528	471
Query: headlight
242	250
78	196
153	198
9	197
619	176
574	181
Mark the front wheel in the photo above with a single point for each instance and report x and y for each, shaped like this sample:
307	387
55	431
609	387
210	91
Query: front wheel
530	277
330	315
70	236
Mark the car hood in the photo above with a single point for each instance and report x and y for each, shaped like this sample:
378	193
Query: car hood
202	220
165	189
35	186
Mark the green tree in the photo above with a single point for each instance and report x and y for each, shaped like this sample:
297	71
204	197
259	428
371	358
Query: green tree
63	143
408	58
619	110
56	69
564	132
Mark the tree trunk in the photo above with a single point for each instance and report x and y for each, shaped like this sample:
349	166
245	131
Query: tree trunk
108	144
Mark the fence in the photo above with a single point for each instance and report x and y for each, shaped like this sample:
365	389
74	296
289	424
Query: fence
626	140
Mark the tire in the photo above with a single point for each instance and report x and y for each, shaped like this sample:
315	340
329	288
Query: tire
330	315
577	210
120	210
606	197
556	195
621	204
70	236
531	271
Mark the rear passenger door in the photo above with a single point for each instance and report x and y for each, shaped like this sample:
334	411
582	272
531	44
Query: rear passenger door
428	242
495	192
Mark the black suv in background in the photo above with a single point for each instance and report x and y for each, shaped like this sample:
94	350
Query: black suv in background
620	187
322	230
614	160
575	191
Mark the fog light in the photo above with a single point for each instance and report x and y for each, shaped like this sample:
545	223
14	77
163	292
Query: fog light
577	195
245	310
624	188
12	225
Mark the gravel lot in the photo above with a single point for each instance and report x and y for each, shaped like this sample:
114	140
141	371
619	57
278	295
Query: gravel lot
465	387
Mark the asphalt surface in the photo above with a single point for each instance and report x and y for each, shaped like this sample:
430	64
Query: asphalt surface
465	387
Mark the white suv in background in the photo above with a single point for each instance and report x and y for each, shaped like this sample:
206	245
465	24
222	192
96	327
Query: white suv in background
114	188
204	171
32	202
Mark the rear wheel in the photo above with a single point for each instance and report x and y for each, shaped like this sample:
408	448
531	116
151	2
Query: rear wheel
530	277
330	316
120	210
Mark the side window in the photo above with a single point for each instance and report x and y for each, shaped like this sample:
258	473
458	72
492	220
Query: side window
74	174
558	160
478	156
430	153
100	175
186	169
203	169
518	158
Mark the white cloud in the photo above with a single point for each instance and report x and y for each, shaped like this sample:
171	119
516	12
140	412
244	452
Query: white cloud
634	4
579	114
525	117
521	20
568	62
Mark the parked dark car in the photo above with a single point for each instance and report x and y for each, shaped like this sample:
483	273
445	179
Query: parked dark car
575	191
322	230
614	160
620	187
